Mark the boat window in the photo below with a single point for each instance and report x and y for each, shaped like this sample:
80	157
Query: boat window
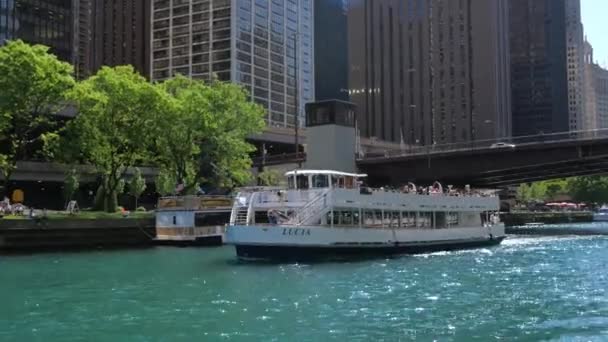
386	222
453	219
337	181
395	219
368	218
290	183
211	219
320	181
408	220
424	220
346	218
378	218
441	220
356	218
350	182
302	182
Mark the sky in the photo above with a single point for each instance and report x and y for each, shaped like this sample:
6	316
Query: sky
595	21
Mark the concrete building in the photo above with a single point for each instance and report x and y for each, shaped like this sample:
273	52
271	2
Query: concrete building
112	32
575	45
601	95
596	91
430	72
48	22
265	45
591	120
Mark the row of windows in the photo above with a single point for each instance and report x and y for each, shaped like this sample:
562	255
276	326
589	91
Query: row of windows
392	219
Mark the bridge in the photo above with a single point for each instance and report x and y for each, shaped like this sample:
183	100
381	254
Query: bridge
490	163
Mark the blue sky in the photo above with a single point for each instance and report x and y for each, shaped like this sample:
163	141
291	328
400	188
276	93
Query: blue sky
595	20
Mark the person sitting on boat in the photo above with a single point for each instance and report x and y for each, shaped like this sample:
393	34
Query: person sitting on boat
272	217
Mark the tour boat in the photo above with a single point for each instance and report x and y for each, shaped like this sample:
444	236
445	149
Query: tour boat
327	214
192	220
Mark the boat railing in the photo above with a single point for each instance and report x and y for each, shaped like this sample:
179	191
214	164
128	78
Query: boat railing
241	208
312	209
369	191
194	202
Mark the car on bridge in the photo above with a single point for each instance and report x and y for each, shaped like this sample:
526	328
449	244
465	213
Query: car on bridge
502	145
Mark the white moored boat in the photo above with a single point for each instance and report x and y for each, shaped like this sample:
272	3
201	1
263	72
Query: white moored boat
328	214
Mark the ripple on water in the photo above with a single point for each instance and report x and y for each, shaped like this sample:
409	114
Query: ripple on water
525	289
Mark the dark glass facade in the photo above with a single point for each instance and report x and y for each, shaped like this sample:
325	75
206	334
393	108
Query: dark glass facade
426	72
539	69
113	32
331	50
48	22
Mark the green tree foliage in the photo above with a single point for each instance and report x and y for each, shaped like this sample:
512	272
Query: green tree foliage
202	140
115	128
137	185
71	184
591	189
165	183
33	84
270	178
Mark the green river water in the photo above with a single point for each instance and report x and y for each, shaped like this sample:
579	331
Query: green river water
527	289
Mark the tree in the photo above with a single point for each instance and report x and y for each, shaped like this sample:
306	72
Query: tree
70	185
591	189
165	183
33	85
270	178
203	140
115	128
137	185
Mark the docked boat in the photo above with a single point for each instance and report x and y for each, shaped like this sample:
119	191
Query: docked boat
192	220
601	215
327	214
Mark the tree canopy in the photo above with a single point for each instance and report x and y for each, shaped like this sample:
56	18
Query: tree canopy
33	85
137	186
203	138
115	127
590	189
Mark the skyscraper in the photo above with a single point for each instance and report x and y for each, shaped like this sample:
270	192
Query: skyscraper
547	56
430	71
575	45
331	50
112	32
596	92
265	45
48	22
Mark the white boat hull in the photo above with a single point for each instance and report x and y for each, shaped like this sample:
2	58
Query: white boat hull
600	217
284	242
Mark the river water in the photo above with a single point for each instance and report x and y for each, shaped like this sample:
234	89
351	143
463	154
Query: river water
527	289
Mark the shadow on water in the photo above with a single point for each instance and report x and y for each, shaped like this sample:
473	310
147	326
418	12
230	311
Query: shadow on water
71	250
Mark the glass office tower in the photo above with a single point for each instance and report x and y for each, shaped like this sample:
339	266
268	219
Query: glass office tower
48	22
265	45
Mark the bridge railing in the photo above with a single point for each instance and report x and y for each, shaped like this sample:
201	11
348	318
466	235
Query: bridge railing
279	159
381	151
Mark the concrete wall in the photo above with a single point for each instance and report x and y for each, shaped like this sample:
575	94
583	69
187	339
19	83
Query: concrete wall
331	147
30	235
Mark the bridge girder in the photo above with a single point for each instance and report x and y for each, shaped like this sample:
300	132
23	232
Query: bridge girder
493	167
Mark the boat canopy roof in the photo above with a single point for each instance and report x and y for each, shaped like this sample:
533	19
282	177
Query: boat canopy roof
324	172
